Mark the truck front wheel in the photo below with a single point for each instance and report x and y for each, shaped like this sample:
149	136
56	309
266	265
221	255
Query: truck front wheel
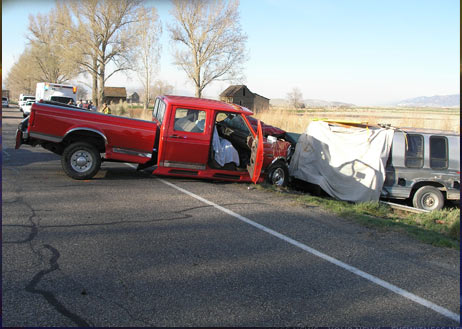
81	160
278	174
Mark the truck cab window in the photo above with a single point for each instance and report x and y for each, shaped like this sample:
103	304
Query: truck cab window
414	151
438	152
189	120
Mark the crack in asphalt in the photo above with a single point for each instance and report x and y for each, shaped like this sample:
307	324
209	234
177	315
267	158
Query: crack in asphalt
152	220
49	296
52	300
34	219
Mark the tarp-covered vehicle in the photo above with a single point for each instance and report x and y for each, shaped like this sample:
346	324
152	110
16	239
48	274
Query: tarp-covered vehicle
363	163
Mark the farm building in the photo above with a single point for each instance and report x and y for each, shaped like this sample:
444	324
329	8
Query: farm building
241	95
133	98
114	94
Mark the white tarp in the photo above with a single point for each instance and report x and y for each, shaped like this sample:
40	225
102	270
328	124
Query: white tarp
347	163
224	150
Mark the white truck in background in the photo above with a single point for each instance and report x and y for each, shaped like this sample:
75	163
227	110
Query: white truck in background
23	98
56	92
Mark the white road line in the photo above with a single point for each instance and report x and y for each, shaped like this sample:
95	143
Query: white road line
441	310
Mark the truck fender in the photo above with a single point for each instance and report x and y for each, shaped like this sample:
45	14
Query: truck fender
280	158
87	129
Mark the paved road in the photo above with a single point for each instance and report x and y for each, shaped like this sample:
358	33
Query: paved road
130	249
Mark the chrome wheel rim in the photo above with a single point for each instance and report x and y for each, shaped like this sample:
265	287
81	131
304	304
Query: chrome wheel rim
81	161
278	177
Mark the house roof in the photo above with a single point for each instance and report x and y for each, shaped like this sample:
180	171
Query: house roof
231	90
115	92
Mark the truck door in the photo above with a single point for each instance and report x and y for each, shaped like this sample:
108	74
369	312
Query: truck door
256	157
187	139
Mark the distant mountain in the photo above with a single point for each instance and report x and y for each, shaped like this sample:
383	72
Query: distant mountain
310	103
433	101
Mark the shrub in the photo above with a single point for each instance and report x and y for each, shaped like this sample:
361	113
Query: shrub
454	230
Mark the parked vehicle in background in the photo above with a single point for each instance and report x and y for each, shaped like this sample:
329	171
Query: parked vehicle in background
187	137
23	99
423	166
5	102
56	92
26	108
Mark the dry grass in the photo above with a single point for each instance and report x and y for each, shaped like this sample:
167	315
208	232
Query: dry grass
126	110
297	120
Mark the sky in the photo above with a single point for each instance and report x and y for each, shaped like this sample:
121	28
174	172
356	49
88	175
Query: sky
363	52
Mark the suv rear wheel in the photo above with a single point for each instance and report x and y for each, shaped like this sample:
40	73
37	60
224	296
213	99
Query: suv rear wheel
428	198
81	160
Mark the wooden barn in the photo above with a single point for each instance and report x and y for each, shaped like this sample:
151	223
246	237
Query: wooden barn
114	94
241	95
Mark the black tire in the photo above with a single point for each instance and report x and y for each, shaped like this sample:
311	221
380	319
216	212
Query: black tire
278	174
81	160
428	198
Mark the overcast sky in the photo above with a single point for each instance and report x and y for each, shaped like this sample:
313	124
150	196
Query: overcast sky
362	52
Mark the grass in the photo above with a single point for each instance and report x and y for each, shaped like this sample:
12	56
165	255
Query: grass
131	111
439	228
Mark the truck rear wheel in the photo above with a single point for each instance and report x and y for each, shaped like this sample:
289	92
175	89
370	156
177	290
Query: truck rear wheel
81	160
428	198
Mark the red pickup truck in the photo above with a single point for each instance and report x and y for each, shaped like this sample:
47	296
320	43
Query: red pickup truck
187	137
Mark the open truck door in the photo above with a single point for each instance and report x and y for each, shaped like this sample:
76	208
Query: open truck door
256	157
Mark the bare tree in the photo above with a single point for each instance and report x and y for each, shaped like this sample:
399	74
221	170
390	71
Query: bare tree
148	33
161	87
211	45
23	76
295	98
82	93
102	32
45	49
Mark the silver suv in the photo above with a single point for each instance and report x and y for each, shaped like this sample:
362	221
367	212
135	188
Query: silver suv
423	166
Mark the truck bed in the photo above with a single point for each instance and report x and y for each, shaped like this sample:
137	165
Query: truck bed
58	125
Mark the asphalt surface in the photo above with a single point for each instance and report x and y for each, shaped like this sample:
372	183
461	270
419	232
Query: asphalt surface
127	249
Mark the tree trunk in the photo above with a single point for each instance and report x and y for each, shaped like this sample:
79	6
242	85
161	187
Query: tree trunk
146	91
101	84
94	90
198	82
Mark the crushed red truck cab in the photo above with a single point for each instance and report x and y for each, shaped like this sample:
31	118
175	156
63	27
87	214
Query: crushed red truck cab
187	137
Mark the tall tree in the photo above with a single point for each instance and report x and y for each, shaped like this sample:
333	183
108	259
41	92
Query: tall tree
148	33
211	44
102	32
46	47
23	76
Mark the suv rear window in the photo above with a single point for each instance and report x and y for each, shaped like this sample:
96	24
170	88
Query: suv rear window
414	151
438	152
